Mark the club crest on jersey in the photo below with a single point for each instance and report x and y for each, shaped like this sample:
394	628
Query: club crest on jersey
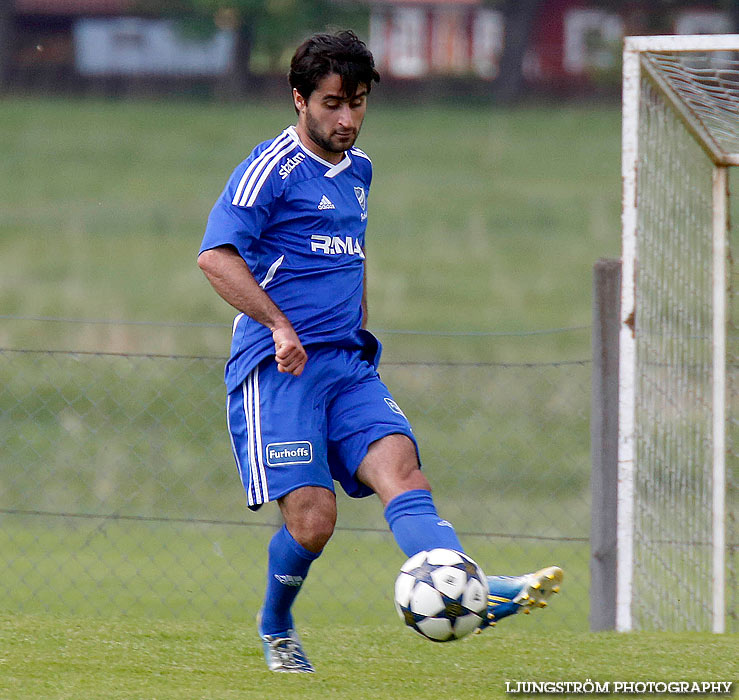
362	199
290	164
279	453
335	245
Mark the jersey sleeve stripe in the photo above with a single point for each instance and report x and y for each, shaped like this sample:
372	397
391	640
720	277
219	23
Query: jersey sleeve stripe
254	186
278	143
358	152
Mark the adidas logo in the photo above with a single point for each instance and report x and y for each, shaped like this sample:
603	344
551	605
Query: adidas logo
325	203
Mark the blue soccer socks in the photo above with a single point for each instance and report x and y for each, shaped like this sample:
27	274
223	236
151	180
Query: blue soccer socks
417	526
287	568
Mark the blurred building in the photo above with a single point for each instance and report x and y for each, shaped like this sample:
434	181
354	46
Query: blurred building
443	37
570	40
60	42
573	45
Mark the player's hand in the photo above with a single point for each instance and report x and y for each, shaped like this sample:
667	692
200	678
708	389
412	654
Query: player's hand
289	352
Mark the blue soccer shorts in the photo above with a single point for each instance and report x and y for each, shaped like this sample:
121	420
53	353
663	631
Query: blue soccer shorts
287	431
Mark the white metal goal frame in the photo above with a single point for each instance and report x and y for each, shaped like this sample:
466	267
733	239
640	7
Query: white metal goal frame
717	135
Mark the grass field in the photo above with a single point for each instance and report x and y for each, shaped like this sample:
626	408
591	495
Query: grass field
480	220
46	657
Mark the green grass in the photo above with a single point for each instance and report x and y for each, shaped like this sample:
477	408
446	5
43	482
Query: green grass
55	657
480	219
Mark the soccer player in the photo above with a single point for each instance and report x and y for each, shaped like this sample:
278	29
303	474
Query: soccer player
285	246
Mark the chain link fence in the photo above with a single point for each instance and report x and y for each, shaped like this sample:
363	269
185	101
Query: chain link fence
119	496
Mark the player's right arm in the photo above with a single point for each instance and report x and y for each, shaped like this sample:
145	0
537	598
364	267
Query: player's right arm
231	277
235	224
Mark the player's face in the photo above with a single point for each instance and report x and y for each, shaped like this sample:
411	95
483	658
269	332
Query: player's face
329	121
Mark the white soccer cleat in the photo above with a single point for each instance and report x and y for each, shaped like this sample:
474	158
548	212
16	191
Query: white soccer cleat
284	653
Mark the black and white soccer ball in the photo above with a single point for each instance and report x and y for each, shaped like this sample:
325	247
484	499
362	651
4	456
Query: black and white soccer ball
441	594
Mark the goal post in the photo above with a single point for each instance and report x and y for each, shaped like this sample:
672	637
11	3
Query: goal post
680	134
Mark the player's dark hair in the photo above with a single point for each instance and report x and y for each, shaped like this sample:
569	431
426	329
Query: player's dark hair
343	53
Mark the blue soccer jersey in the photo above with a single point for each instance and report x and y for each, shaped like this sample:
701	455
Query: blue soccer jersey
298	221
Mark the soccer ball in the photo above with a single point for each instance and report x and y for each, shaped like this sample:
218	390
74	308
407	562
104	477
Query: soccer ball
441	594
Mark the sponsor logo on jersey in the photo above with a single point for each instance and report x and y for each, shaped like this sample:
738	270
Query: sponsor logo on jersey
289	580
326	203
394	406
335	245
279	453
290	164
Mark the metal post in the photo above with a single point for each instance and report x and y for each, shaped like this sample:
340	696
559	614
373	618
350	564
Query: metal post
604	444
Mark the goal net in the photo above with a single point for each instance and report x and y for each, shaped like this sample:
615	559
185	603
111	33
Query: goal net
676	504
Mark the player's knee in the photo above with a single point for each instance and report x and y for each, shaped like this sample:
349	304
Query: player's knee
403	472
310	516
391	467
412	479
313	531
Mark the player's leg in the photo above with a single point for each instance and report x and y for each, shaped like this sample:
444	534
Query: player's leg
372	450
279	442
310	516
309	513
368	428
390	468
